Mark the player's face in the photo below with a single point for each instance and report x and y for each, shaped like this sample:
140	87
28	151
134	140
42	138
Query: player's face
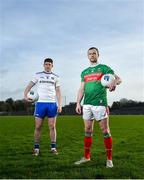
48	66
93	55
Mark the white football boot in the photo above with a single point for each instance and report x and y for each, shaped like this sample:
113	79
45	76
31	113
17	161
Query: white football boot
109	164
54	151
36	152
82	160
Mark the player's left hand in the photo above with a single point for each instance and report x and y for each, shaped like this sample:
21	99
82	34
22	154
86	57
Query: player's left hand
59	110
112	87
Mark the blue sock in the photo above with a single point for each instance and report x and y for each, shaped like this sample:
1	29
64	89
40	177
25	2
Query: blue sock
36	145
53	144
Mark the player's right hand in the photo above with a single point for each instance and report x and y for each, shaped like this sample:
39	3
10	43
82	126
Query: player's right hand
28	99
78	108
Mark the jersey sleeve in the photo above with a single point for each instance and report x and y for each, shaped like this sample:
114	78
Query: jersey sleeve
35	79
108	70
57	83
82	77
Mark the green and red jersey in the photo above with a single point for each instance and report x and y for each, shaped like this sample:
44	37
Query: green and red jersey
94	93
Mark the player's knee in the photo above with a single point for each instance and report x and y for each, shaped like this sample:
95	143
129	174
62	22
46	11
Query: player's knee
88	129
52	126
38	128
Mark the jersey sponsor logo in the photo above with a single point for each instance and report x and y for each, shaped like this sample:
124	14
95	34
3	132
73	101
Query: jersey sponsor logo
45	81
93	77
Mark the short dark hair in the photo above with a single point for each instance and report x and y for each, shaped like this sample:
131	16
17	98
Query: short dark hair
48	60
95	49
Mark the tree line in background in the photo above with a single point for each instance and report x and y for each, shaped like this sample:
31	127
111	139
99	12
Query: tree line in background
21	107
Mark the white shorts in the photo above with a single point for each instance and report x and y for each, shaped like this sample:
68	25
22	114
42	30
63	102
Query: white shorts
91	112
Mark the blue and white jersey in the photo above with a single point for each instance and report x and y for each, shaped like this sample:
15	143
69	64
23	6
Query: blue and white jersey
46	85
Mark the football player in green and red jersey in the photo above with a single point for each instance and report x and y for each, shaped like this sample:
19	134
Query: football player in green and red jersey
95	104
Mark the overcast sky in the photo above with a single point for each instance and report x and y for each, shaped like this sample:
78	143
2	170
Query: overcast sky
31	30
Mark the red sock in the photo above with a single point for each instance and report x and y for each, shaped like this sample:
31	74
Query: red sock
87	146
108	146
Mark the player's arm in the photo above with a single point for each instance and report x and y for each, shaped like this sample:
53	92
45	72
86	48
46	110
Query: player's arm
79	98
59	99
27	89
116	82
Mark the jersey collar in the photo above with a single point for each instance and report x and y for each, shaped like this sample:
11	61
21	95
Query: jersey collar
47	72
94	65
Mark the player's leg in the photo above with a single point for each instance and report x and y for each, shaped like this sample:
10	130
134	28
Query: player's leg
88	137
52	113
88	125
104	125
53	134
101	115
37	134
39	115
87	141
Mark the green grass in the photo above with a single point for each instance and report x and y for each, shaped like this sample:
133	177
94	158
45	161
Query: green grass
16	143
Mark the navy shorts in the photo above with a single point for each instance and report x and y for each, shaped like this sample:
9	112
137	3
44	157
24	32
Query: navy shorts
43	109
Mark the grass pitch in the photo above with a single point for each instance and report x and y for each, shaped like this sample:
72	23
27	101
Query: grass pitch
16	143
